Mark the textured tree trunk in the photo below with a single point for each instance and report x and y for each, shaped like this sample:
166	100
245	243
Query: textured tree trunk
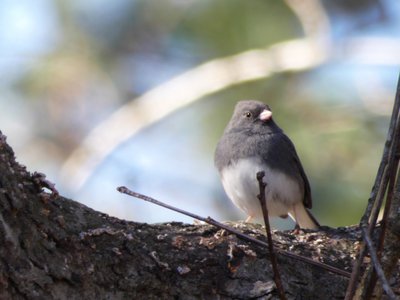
55	248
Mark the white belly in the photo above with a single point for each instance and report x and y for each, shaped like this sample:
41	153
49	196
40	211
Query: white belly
241	185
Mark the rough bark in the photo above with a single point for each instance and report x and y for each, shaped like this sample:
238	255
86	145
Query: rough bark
56	248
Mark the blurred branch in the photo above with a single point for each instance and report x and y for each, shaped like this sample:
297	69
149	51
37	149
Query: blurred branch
208	78
218	74
313	18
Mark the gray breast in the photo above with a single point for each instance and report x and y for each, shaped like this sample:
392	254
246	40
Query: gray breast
241	185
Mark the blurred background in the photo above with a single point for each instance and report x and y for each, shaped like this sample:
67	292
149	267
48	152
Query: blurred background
97	94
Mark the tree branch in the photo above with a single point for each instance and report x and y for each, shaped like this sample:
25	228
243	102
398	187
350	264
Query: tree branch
54	248
239	234
274	263
377	265
387	172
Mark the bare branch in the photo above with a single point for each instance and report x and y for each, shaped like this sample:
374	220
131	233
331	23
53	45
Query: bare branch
377	265
274	263
388	206
387	169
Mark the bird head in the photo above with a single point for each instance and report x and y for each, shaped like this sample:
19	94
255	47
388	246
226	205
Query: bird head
252	116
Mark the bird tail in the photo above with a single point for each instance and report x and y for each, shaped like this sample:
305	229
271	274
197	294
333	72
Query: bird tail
303	217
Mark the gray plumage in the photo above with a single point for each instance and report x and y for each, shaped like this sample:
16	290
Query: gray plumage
253	142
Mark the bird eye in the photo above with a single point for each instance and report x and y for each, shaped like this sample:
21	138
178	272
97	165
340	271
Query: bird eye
247	114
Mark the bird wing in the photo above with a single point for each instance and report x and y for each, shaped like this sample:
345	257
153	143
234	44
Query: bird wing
307	200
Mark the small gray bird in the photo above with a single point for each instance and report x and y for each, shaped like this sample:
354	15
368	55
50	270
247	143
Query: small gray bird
252	142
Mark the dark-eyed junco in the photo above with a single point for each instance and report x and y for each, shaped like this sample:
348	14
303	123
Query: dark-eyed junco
252	142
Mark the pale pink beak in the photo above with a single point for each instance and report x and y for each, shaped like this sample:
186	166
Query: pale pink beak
265	115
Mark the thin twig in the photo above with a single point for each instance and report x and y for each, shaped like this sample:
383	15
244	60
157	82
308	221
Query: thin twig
239	234
377	265
356	273
274	262
394	164
388	205
377	194
385	157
